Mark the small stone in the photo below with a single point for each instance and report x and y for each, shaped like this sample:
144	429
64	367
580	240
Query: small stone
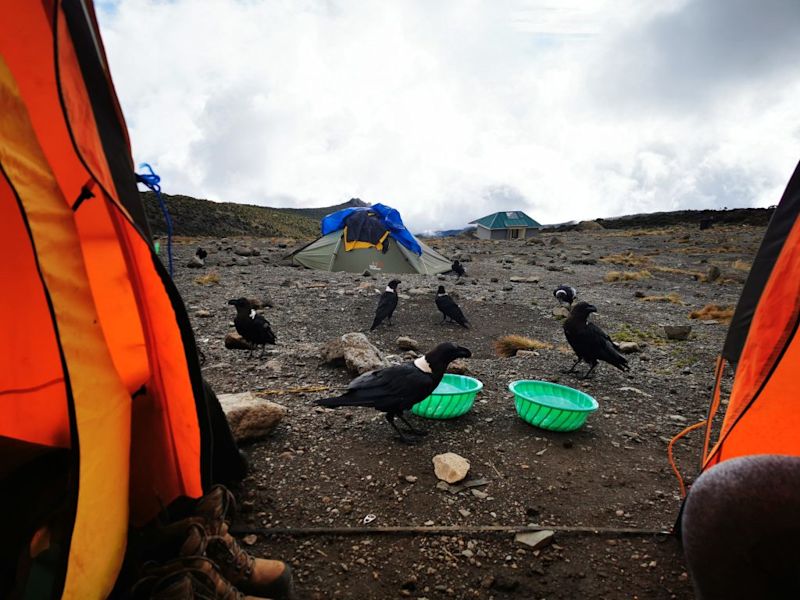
250	539
713	273
411	478
629	347
479	494
202	313
450	467
249	416
195	262
233	341
464	512
535	539
407	343
677	332
459	367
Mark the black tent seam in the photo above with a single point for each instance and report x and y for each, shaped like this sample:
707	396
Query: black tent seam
61	577
85	194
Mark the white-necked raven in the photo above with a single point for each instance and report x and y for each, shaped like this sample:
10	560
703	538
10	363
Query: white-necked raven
386	304
449	309
565	294
396	389
252	326
589	342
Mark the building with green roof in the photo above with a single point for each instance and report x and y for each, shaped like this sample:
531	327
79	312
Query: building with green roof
506	225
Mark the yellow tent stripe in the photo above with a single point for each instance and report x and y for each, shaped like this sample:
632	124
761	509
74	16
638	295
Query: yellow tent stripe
102	405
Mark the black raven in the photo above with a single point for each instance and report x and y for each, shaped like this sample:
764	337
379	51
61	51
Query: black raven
395	389
458	269
449	308
386	304
252	326
589	342
200	253
565	293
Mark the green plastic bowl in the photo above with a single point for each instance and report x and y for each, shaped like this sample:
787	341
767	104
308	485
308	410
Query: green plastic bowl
453	397
551	406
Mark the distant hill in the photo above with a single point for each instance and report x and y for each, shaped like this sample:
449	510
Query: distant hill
317	214
734	216
197	217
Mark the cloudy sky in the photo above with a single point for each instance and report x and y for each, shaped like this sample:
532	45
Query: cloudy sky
450	110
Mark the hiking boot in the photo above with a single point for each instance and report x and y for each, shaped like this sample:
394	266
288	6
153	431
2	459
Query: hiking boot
192	574
272	578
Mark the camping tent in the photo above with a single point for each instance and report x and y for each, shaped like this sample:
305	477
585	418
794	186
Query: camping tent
374	238
762	415
98	359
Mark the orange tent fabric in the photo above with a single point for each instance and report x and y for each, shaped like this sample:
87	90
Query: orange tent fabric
97	350
763	414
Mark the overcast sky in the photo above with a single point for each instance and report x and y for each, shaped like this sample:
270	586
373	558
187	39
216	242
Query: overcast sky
451	110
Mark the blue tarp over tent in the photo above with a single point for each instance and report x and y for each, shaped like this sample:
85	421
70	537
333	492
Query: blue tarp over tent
388	216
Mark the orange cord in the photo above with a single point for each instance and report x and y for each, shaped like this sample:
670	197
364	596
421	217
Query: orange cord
671	458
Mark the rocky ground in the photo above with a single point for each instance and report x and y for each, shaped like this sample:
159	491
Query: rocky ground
325	468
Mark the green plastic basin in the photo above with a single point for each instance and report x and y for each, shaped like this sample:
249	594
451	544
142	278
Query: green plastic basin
453	397
551	406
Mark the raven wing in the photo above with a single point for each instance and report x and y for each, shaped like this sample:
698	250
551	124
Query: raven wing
604	348
450	309
393	389
263	329
386	306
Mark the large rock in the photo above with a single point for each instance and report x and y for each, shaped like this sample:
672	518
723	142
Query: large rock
249	416
450	467
353	351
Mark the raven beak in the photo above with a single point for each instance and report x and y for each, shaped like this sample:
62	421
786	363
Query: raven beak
591	308
463	352
232	302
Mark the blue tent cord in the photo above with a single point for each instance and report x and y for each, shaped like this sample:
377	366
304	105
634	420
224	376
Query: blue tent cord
151	180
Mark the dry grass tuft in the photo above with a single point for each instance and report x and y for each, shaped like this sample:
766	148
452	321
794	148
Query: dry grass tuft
741	265
673	298
694	274
713	311
211	278
628	260
626	275
508	345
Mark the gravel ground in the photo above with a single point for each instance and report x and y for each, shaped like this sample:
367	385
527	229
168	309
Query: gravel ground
325	468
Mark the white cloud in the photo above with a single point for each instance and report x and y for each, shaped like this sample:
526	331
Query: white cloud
451	110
